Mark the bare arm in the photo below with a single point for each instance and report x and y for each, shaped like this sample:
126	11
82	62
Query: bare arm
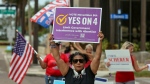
96	60
63	67
78	47
42	64
136	67
81	50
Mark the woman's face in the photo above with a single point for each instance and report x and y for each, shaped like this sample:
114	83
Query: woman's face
78	62
89	50
130	48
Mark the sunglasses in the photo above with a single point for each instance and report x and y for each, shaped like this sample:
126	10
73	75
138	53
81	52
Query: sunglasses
58	44
76	60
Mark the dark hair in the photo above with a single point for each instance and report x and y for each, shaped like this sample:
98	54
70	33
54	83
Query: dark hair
85	57
67	50
58	43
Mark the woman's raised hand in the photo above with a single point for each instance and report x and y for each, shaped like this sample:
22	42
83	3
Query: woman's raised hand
50	36
101	35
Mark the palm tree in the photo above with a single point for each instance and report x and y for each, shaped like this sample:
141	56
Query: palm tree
36	29
20	20
143	25
20	12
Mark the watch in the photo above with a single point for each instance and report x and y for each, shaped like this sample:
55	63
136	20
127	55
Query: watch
53	46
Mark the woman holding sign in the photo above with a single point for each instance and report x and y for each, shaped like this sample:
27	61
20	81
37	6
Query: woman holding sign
78	75
49	63
128	77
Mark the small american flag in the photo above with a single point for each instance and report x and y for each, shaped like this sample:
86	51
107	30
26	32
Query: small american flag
21	59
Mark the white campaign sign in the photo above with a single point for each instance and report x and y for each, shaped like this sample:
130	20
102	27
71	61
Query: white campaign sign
120	60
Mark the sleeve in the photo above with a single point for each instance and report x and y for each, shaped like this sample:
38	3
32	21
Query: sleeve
46	59
65	58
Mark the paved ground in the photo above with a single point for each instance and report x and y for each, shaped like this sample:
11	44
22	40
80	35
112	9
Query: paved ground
4	75
36	71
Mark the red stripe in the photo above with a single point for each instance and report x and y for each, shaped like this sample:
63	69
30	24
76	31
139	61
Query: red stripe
22	60
14	63
27	67
25	64
53	5
38	16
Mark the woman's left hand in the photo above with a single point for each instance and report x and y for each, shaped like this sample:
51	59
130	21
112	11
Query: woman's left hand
51	38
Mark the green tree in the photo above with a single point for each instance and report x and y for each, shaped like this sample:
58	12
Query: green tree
20	13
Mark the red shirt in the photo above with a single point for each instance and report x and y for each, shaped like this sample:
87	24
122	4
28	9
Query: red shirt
124	76
68	55
52	68
87	64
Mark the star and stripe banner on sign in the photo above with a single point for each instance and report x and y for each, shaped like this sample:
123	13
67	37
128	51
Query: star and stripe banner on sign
21	59
46	15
